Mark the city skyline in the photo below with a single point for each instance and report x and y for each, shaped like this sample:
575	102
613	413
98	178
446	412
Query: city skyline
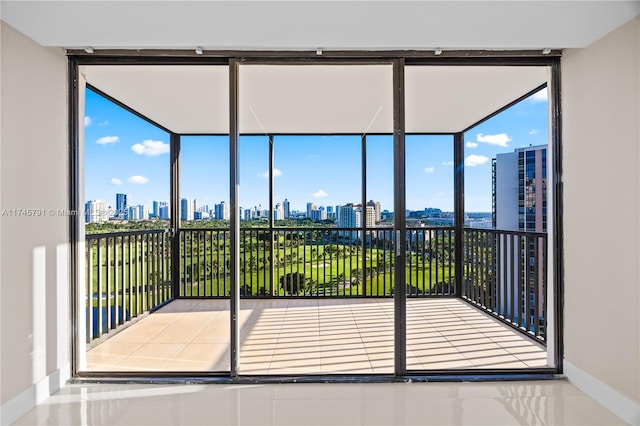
125	154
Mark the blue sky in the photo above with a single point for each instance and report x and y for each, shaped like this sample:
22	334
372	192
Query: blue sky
125	154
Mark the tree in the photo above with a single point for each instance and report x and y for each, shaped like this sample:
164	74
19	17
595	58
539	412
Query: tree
293	282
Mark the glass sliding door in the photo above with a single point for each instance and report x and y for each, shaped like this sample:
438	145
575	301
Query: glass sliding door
157	276
322	310
476	252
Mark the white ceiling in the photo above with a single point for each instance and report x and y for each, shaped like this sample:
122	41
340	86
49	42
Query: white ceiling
353	99
292	99
360	24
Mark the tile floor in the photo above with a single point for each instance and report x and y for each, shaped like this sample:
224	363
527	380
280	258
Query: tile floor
501	403
322	336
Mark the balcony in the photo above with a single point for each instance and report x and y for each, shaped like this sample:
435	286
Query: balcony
324	305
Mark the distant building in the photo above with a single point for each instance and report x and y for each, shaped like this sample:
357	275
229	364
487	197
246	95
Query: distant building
278	212
350	216
318	214
330	213
520	190
122	206
143	212
310	208
201	212
186	209
157	205
286	208
133	213
96	211
163	212
377	210
520	204
222	211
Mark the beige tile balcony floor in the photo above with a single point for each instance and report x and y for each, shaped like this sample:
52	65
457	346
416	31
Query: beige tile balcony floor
321	336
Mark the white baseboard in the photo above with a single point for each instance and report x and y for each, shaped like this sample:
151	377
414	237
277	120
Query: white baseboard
619	404
20	405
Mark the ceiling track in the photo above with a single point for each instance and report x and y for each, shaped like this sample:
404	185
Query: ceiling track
444	57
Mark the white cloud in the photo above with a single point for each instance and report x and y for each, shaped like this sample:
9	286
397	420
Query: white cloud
116	181
475	160
138	180
500	139
320	193
533	131
540	96
429	169
472	144
107	140
276	173
313	155
151	148
88	121
447	163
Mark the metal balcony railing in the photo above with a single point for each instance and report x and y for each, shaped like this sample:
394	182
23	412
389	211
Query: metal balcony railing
130	273
505	273
315	262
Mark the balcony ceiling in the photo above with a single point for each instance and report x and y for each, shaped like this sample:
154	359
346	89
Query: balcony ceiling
314	99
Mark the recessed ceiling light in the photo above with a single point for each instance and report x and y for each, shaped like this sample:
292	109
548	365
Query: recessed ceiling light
438	52
546	51
198	50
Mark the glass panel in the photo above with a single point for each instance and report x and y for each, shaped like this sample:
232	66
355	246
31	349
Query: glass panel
255	247
505	204
129	272
317	242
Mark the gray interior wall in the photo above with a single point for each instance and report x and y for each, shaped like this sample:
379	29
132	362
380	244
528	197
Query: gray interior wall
601	137
34	307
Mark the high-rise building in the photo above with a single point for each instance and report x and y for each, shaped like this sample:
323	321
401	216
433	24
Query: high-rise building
96	211
222	211
377	210
163	211
330	213
201	212
520	190
186	209
319	214
278	212
286	208
310	208
350	216
122	206
133	213
143	212
157	205
520	204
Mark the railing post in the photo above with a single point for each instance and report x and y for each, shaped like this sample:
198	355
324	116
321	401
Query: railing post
174	267
458	179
